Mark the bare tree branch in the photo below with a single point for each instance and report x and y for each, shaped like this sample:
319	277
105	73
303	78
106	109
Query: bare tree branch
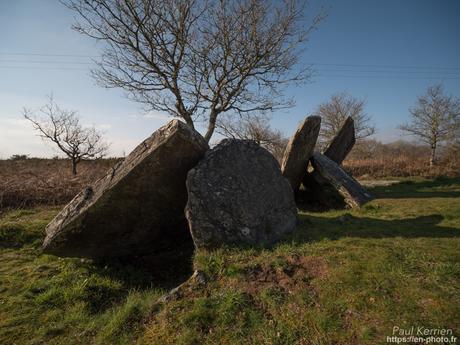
63	128
334	113
255	128
197	59
435	118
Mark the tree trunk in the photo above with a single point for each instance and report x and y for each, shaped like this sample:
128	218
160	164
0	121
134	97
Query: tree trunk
432	156
211	126
188	120
74	167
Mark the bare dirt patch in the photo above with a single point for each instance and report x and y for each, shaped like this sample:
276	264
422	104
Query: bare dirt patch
295	273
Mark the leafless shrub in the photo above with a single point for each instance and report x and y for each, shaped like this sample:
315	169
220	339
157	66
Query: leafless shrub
334	113
435	119
255	128
34	182
63	128
399	159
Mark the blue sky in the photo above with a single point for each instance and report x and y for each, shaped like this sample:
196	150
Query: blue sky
386	52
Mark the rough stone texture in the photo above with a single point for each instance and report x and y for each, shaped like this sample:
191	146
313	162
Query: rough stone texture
237	195
138	207
337	151
354	194
342	143
299	150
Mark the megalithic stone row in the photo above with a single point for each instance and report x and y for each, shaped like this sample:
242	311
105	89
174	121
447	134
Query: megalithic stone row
354	194
337	150
238	196
137	208
327	170
299	150
342	143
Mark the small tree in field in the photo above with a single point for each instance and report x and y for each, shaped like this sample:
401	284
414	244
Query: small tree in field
198	59
255	128
334	113
63	128
435	118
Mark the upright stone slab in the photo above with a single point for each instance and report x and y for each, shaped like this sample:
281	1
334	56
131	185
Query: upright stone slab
337	151
299	150
237	195
354	194
342	143
137	208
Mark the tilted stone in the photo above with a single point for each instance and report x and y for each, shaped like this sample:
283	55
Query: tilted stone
354	194
337	151
138	206
237	195
299	150
342	143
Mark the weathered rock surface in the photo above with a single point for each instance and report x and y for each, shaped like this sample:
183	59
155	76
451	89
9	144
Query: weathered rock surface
337	151
299	150
138	207
342	143
237	195
354	194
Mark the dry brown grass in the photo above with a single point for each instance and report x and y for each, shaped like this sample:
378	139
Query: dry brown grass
399	166
401	159
32	182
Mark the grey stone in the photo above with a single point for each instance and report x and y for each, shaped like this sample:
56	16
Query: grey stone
354	194
137	208
237	195
299	150
342	143
337	151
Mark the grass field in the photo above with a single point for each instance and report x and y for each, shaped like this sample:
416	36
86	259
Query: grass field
344	277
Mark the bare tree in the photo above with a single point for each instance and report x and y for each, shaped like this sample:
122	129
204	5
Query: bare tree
63	128
255	128
435	118
334	113
197	59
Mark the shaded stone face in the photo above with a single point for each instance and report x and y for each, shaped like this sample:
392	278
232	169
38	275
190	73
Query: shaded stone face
354	194
299	150
237	195
342	143
138	206
337	151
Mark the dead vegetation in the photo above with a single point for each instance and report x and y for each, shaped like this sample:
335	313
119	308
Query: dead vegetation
28	182
32	182
373	159
294	272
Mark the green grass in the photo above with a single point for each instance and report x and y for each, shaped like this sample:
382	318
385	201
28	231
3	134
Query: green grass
344	277
50	300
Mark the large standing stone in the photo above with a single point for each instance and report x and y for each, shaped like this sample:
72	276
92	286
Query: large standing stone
138	207
337	151
237	195
354	194
299	150
342	143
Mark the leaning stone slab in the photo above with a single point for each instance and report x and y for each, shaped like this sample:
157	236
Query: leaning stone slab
138	206
342	143
238	196
299	150
354	194
337	151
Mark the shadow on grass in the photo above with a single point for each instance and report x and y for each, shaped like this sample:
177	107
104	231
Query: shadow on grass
163	270
313	228
422	189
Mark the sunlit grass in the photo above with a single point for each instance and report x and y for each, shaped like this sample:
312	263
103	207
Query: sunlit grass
344	277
